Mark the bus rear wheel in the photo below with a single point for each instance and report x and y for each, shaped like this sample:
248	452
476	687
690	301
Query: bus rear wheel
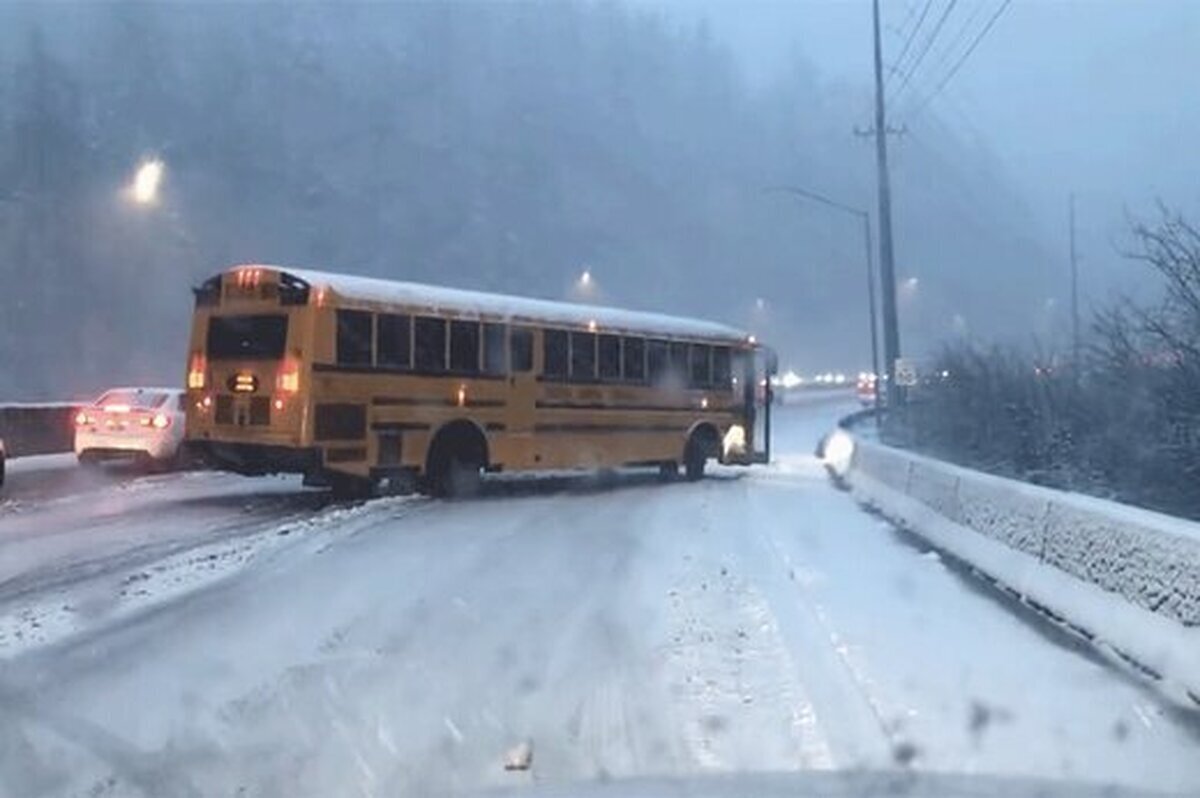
454	477
701	445
456	461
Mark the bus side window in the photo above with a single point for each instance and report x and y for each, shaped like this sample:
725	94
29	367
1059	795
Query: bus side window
583	356
610	357
429	335
700	364
634	360
464	347
721	368
679	363
494	350
353	338
656	361
393	340
554	353
520	349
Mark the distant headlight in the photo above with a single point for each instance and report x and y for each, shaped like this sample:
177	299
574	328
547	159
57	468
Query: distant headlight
734	442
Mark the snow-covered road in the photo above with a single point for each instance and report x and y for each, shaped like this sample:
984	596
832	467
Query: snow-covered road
206	634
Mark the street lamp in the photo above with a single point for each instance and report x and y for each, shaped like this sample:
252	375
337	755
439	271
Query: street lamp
146	182
866	221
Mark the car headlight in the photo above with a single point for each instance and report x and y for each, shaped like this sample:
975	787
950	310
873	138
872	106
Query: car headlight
838	451
734	442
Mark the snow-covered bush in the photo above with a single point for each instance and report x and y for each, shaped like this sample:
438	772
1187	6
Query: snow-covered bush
1123	422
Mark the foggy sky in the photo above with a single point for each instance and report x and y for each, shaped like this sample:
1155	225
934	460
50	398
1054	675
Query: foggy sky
1097	97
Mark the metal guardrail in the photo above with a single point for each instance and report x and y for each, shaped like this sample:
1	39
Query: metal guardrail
29	429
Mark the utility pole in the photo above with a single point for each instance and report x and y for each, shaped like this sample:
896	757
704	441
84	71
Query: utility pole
1074	291
891	330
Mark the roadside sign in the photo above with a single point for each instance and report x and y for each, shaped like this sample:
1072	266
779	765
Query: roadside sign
906	372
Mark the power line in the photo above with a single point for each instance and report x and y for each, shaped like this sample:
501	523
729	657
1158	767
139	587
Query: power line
963	59
908	42
958	39
925	50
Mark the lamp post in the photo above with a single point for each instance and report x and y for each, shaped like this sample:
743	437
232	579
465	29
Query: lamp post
866	222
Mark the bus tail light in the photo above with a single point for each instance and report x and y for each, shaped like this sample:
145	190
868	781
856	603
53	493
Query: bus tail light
196	369
288	378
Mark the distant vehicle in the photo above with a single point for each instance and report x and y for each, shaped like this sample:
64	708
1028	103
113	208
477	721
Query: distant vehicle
352	381
145	424
865	389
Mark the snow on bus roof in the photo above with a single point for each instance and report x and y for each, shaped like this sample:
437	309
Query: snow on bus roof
479	303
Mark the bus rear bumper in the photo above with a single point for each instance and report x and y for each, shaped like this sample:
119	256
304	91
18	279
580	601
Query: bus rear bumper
255	459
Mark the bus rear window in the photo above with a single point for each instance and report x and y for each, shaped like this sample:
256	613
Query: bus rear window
256	337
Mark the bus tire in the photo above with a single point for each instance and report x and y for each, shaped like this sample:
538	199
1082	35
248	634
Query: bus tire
701	445
457	457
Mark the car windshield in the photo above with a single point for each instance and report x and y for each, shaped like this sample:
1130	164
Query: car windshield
599	397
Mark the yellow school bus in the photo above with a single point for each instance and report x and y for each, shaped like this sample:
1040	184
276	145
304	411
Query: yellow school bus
360	383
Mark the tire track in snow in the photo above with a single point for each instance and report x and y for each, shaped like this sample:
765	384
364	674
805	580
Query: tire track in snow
740	703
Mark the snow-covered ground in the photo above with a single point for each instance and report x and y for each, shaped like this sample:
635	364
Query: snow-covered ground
207	634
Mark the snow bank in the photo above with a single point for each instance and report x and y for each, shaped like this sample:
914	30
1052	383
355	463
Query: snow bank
1127	577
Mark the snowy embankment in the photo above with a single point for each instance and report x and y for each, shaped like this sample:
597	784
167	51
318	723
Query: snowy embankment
1127	578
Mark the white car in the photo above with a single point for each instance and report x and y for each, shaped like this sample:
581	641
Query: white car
141	423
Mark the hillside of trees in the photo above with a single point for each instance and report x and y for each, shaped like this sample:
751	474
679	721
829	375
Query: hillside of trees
495	146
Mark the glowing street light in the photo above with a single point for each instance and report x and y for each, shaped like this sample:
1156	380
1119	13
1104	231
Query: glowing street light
146	182
585	279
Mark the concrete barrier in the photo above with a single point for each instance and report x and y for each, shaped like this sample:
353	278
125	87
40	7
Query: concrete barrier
1127	577
37	428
